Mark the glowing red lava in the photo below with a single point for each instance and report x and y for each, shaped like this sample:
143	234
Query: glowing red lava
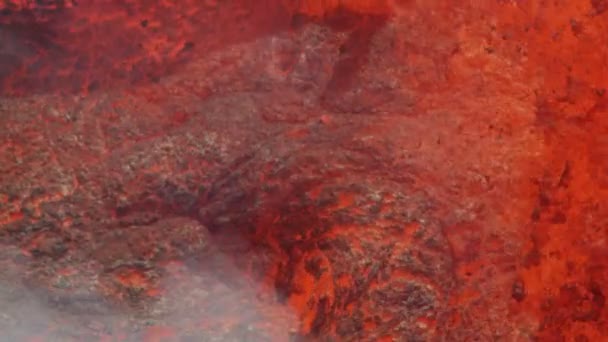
294	170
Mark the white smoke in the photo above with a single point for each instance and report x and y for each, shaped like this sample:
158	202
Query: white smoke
210	300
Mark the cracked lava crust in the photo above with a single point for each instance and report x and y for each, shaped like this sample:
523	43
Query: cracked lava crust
283	170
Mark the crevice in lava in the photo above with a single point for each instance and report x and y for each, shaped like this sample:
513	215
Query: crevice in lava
309	251
353	53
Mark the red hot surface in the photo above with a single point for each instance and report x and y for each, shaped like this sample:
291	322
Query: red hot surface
303	170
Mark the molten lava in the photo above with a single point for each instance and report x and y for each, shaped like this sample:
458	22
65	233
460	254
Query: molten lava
347	170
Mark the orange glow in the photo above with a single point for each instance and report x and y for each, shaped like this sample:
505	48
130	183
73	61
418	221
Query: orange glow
133	278
381	170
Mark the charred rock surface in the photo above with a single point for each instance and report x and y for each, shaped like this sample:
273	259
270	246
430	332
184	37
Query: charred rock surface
352	171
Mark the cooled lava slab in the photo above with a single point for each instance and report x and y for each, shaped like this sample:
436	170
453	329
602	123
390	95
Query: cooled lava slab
303	170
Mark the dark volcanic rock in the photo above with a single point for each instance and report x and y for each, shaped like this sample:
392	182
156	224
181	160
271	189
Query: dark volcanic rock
310	170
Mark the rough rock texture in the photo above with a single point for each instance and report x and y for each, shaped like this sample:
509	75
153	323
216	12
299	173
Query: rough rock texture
303	170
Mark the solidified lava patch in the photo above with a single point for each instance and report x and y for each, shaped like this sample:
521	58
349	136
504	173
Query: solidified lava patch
342	170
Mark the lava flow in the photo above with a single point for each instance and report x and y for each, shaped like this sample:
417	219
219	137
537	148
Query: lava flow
303	170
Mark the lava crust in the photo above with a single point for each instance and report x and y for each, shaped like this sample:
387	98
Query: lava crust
283	170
